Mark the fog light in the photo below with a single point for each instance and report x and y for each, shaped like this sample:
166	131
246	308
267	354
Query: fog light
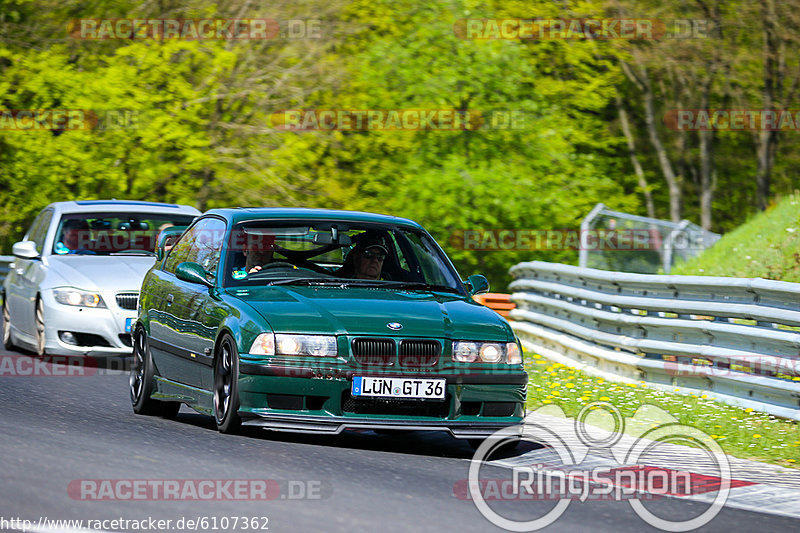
67	337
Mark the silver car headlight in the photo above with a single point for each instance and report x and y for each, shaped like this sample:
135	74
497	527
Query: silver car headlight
78	297
486	352
302	345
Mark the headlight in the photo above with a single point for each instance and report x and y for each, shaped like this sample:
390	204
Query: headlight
513	354
304	345
263	345
77	297
314	345
486	352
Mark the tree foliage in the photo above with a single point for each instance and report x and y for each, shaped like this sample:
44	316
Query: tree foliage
199	128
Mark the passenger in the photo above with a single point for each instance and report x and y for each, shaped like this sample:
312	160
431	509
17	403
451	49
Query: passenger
170	241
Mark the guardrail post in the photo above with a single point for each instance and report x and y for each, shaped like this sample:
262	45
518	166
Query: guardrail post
583	253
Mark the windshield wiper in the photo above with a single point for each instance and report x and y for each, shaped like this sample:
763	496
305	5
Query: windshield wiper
410	285
132	252
371	283
307	281
418	285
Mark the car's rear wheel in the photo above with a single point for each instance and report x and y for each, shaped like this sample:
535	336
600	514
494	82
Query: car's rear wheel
41	337
226	386
8	343
141	381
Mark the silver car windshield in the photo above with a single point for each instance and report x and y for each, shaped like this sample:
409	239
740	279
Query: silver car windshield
112	233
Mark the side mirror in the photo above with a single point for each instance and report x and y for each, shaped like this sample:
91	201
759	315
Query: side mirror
193	273
477	284
166	239
25	250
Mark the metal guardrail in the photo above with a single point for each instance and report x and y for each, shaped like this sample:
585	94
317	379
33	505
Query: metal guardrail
735	339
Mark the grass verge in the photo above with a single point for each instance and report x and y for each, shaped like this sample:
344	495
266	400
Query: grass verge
740	432
767	246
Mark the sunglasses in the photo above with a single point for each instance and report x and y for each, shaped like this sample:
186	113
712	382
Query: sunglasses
380	256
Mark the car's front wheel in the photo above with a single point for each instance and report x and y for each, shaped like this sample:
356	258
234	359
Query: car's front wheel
226	386
141	381
41	338
8	343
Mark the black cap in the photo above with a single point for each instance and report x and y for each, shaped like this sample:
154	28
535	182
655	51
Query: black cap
371	240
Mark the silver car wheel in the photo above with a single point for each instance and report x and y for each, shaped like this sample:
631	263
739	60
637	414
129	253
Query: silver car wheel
7	344
40	335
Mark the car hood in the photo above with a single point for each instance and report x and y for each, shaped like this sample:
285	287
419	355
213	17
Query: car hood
364	311
92	272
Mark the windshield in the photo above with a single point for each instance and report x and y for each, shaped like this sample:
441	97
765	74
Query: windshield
112	233
340	253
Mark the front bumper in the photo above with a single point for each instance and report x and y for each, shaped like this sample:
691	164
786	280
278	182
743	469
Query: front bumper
103	329
475	406
334	425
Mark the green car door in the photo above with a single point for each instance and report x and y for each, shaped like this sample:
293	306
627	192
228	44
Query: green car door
181	331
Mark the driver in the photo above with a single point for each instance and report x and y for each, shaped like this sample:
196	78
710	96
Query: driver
74	236
258	251
365	260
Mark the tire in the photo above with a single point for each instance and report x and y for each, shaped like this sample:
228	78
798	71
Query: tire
226	386
141	381
8	342
41	336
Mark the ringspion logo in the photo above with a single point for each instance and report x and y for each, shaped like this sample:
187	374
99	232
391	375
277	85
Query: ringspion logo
567	476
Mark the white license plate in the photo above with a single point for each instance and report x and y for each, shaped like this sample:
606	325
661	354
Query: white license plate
398	387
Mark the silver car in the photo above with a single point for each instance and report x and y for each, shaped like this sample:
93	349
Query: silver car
73	288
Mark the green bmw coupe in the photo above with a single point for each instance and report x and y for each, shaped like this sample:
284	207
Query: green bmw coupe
319	321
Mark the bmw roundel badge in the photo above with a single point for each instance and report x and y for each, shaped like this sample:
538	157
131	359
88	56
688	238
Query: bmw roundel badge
394	325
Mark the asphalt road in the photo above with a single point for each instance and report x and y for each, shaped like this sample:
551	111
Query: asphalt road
57	430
